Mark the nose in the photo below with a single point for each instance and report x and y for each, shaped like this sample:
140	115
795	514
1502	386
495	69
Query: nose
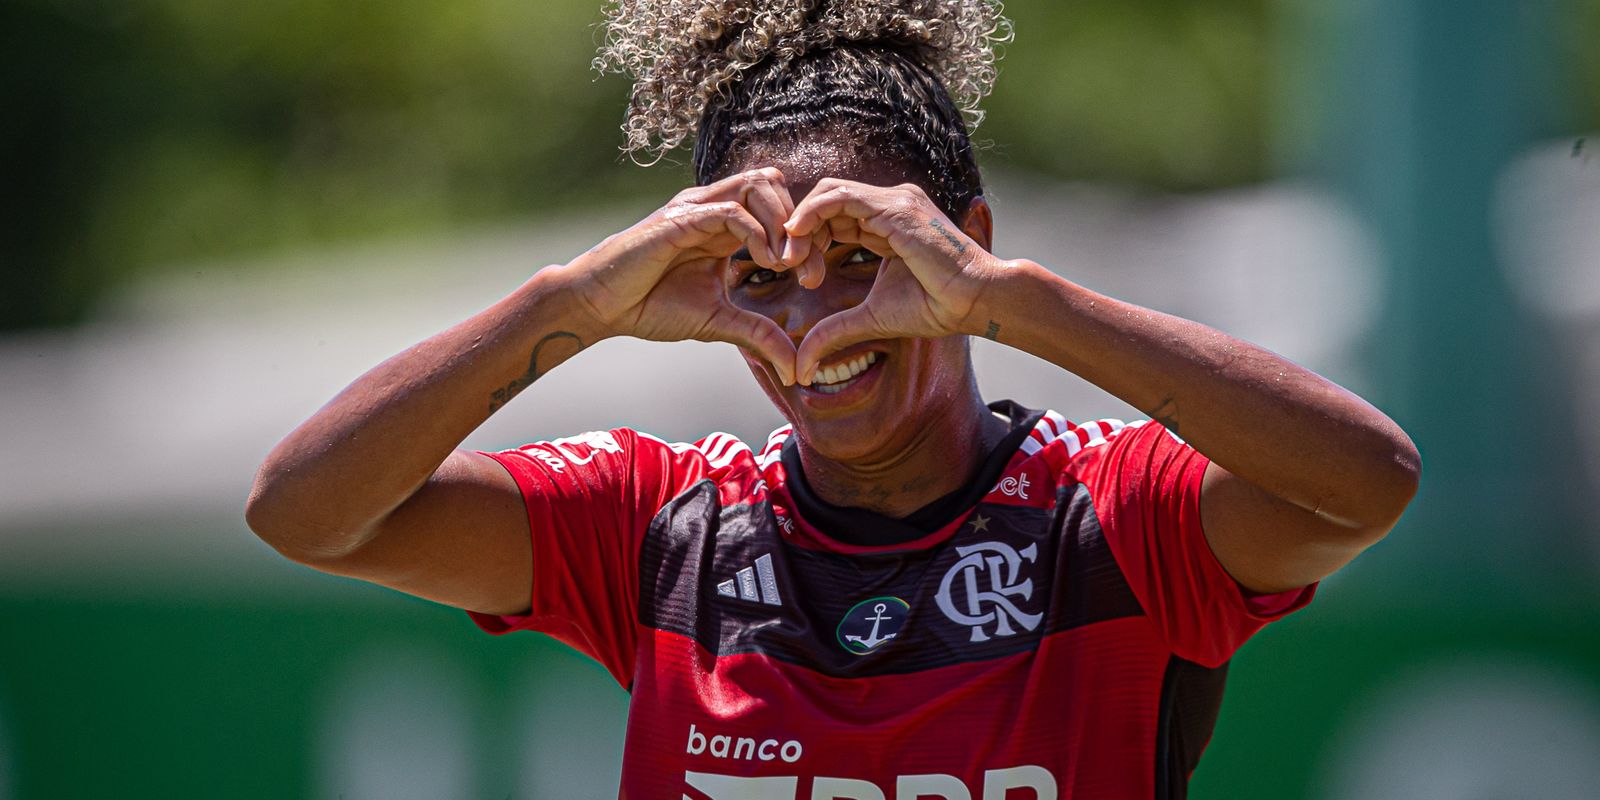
803	308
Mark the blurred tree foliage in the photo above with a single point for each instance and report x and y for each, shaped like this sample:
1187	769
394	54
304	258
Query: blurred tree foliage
145	133
1167	93
1582	48
151	132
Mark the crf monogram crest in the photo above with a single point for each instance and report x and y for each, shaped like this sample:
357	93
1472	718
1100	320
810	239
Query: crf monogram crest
979	588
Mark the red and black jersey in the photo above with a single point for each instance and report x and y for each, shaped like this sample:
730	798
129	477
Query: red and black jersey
1058	628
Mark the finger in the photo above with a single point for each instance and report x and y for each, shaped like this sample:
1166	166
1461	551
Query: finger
731	187
890	221
756	333
717	229
805	252
770	203
841	198
816	268
764	192
794	250
834	333
844	229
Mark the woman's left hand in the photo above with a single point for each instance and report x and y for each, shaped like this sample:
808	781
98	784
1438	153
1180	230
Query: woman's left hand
932	280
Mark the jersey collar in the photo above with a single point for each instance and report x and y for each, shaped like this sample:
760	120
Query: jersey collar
863	528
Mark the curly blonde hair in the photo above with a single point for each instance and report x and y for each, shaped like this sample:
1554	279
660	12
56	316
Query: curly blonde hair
684	55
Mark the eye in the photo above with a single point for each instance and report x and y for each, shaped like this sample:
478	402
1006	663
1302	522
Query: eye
760	276
860	256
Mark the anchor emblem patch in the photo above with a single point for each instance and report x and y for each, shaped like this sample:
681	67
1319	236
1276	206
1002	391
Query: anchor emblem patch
871	623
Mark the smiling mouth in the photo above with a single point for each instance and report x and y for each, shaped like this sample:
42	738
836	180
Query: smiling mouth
836	378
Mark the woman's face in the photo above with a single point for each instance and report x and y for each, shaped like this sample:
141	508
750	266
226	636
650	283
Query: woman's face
906	383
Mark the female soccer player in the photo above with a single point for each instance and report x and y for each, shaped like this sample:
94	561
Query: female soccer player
906	592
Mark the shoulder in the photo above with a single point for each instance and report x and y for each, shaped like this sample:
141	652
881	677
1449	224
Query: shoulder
717	449
634	463
1054	430
1134	460
1066	444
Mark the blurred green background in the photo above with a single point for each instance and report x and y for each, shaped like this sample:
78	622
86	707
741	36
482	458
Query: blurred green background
216	214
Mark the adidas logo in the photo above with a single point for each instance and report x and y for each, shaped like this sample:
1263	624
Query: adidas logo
757	583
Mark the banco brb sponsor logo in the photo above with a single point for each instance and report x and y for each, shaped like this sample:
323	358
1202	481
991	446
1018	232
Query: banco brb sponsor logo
982	587
994	785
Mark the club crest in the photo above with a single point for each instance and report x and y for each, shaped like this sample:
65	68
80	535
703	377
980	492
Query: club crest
985	586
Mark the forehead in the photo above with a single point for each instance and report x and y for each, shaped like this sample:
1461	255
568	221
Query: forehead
805	161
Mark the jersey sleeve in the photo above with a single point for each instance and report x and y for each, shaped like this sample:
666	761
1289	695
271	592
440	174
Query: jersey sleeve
1145	485
590	499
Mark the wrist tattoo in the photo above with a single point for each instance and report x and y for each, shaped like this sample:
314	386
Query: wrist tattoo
992	333
1166	414
499	397
955	241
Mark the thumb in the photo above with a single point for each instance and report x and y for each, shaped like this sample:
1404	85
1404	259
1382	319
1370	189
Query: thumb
832	334
756	333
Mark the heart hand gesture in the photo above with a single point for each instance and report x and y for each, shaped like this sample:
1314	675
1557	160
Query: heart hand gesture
662	279
932	278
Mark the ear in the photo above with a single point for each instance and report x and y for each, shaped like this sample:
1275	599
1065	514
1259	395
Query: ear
979	223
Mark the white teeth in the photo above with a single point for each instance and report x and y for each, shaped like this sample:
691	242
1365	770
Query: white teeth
833	378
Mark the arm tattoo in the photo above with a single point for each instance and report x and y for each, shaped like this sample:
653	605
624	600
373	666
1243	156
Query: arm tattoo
993	331
1167	413
503	395
955	241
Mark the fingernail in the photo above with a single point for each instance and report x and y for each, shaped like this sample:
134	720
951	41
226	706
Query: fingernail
788	250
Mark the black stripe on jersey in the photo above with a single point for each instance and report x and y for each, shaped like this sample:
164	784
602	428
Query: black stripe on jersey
694	543
861	527
1191	698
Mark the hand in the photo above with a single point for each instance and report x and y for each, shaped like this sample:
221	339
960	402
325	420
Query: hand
931	281
662	278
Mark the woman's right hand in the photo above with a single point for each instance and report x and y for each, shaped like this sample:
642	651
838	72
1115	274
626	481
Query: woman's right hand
663	279
375	484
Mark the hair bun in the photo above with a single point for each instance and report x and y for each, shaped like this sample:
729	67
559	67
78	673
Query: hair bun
682	54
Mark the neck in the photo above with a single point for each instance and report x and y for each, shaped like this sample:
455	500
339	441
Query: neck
944	451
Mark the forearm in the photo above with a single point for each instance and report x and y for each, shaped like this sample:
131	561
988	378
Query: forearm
356	459
1278	425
